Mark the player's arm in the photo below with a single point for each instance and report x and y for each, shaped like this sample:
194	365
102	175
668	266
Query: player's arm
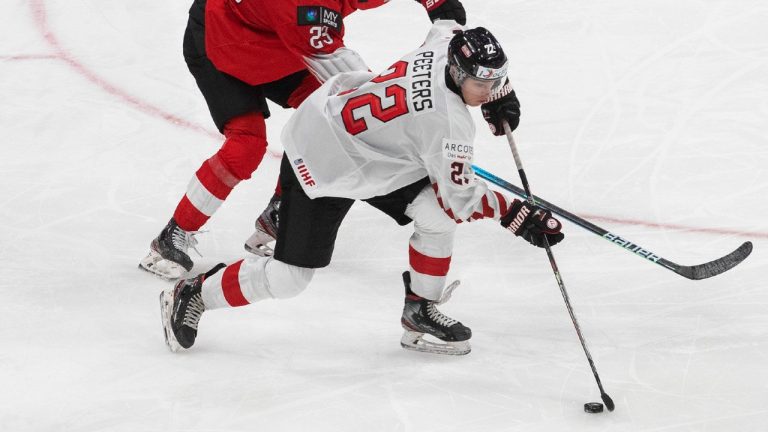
466	198
445	10
448	162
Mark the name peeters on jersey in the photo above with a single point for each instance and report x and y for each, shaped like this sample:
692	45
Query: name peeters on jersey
362	135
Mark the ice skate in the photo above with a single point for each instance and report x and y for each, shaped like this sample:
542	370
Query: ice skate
181	308
168	257
421	318
266	230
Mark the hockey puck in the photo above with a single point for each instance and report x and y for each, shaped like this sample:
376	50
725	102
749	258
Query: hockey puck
593	407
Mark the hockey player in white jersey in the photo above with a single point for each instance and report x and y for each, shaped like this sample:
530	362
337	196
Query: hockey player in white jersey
403	142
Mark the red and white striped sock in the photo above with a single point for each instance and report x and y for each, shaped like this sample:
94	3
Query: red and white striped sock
254	279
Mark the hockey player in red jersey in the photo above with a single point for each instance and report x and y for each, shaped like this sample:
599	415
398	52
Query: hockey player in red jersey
403	142
241	53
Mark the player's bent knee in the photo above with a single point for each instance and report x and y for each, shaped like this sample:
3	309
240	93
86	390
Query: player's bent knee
286	280
242	154
428	216
245	145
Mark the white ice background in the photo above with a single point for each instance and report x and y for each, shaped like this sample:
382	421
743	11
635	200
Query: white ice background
649	117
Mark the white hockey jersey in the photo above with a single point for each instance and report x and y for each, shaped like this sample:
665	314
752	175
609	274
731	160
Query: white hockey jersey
362	135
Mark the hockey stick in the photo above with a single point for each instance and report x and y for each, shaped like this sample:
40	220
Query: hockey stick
694	272
532	199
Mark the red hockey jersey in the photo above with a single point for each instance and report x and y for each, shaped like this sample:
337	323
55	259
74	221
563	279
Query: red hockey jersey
259	41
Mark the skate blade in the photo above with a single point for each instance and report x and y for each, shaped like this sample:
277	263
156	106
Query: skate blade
257	244
415	341
166	313
160	267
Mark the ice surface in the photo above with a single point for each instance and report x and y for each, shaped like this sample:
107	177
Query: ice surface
649	117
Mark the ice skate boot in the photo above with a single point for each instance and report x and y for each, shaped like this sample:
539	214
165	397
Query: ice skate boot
420	317
266	229
181	308
168	256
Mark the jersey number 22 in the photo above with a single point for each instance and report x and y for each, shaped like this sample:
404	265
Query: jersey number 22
356	125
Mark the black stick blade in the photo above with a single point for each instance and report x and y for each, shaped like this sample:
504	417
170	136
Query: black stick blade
720	265
607	401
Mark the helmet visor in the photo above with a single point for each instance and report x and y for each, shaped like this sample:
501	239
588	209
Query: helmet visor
483	73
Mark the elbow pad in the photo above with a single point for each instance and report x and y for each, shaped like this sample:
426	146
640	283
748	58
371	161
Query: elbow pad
325	66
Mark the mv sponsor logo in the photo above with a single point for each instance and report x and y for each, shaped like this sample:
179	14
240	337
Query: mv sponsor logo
304	174
331	18
626	244
318	15
519	219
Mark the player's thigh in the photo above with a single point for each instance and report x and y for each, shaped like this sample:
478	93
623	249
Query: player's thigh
282	91
307	228
394	204
226	96
429	217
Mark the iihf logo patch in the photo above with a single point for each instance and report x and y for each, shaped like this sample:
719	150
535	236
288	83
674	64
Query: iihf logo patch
467	52
303	173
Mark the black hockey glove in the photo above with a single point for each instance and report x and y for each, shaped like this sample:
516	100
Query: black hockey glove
502	106
445	10
532	223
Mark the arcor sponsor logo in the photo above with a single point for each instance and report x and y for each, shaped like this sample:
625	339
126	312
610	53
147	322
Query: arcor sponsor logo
457	150
518	221
626	244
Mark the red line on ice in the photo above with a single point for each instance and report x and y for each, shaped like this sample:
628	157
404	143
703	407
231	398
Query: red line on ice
29	57
41	20
723	231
